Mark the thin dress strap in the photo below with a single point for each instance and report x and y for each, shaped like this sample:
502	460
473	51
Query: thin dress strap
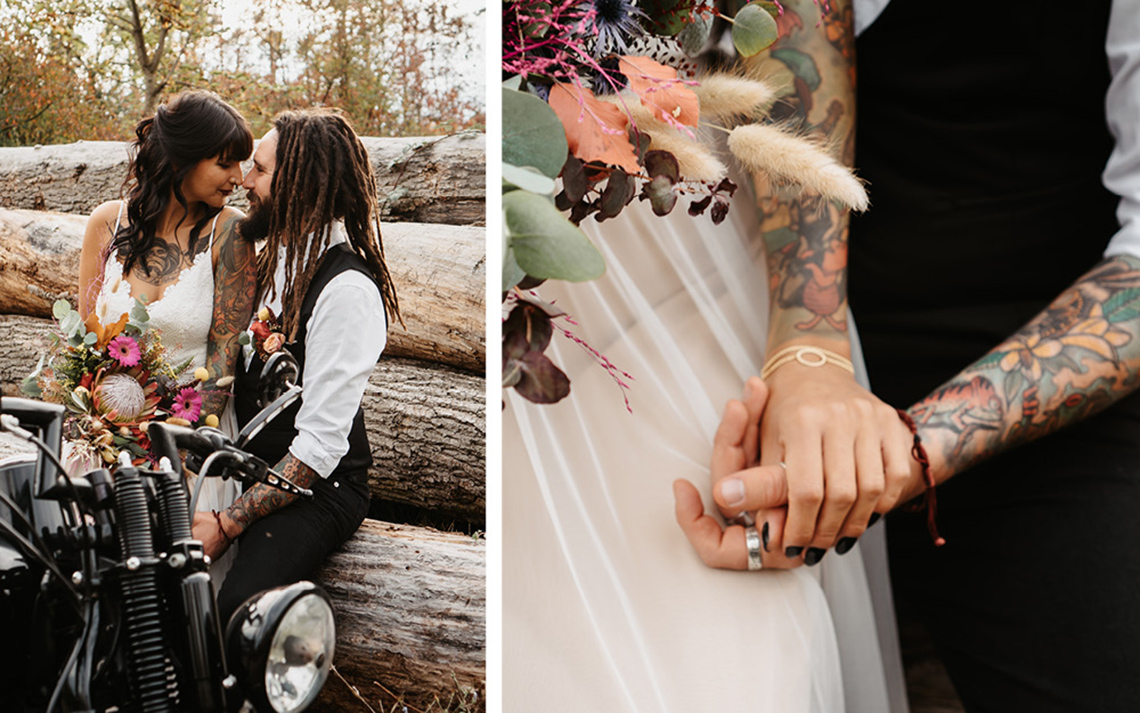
213	227
118	218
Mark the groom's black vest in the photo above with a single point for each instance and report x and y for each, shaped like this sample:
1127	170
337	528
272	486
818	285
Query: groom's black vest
273	442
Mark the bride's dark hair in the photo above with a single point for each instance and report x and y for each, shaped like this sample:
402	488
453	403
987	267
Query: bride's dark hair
190	127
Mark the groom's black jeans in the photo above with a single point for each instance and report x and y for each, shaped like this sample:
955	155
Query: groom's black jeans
289	545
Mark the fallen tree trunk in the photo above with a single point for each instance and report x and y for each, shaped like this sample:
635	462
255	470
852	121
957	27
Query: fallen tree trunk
411	615
422	180
426	424
439	272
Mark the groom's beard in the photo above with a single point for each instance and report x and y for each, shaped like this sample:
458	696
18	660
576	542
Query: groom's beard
255	226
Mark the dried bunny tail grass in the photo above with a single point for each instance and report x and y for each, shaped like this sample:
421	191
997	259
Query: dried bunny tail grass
790	159
696	161
726	95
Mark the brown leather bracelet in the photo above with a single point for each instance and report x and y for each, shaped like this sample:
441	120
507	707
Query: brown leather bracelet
218	518
929	499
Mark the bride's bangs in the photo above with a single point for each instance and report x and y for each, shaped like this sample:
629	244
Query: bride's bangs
237	145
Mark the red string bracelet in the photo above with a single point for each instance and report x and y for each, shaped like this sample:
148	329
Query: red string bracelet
930	500
218	517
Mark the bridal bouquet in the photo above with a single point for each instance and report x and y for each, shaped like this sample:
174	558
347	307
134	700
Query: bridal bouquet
114	380
608	100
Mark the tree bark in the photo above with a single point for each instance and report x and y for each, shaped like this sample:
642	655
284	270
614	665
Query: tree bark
439	272
421	180
411	615
426	425
428	431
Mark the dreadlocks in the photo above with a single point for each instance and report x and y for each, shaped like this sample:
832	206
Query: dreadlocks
323	175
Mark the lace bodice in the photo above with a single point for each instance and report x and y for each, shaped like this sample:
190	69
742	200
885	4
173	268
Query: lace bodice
183	313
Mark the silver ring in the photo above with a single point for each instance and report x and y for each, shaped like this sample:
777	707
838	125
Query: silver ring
744	519
752	539
783	465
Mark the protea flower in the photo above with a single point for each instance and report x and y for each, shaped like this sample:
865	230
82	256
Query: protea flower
122	398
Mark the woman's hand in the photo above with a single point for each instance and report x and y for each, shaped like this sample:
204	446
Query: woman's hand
734	450
846	454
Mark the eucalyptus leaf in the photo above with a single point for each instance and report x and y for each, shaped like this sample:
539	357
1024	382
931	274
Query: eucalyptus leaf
70	323
512	273
60	309
753	30
545	243
513	82
532	134
528	179
139	315
695	35
91	338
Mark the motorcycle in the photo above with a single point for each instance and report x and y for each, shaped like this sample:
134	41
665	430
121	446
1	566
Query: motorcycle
106	600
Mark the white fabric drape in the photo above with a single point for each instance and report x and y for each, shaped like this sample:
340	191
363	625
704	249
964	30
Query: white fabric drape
606	606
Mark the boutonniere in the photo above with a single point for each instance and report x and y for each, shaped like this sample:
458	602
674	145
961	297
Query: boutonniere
265	333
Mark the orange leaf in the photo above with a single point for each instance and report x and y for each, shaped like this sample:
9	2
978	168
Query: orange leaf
661	91
595	130
104	334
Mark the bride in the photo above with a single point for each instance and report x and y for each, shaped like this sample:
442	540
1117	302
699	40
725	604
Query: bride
605	604
173	244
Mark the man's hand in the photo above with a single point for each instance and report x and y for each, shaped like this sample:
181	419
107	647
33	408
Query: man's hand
734	450
206	530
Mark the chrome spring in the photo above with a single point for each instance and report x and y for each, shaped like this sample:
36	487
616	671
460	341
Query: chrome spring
142	605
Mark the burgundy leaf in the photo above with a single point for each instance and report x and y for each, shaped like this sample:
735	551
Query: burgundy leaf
542	382
618	193
662	163
698	207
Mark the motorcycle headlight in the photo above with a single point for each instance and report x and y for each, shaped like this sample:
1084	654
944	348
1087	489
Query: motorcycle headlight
281	645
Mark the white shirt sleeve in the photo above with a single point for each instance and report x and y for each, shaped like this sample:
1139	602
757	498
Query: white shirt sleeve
343	339
1122	173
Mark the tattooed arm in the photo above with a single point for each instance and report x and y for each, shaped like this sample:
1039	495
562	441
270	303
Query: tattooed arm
1076	358
819	421
254	504
235	281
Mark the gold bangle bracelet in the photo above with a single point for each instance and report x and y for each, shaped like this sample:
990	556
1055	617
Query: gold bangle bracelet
808	356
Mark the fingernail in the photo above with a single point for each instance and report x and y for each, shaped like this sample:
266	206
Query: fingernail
764	537
793	552
874	518
813	556
844	545
732	491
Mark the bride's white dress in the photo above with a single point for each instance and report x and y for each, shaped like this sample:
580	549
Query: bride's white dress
183	316
605	604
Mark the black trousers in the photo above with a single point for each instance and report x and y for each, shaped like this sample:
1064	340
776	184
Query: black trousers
289	545
1034	601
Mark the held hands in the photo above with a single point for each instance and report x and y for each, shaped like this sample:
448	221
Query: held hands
845	456
734	454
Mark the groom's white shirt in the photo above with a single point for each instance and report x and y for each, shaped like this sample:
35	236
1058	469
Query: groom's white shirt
343	339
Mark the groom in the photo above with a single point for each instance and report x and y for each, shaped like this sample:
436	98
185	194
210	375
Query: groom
322	274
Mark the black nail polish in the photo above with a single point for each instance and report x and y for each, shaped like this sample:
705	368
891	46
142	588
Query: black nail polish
844	545
764	537
793	552
874	518
813	556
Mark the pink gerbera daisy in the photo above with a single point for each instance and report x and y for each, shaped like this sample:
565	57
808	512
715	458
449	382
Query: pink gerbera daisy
187	404
124	350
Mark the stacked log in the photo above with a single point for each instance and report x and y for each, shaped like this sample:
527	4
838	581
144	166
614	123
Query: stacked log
409	600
